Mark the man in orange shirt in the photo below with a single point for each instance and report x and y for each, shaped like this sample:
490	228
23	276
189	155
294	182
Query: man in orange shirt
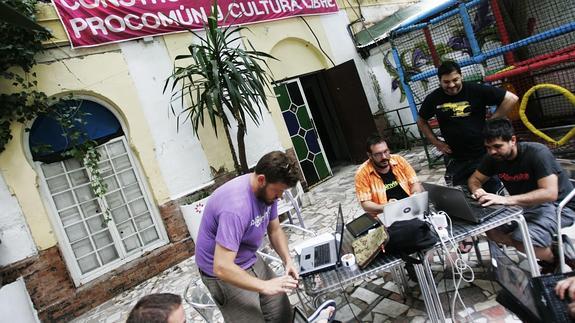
384	177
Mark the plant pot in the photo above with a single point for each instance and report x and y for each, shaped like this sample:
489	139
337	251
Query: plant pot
193	216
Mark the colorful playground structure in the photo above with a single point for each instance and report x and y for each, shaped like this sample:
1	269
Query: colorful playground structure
525	46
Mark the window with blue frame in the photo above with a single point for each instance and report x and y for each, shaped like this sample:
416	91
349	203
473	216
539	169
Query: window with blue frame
92	244
48	140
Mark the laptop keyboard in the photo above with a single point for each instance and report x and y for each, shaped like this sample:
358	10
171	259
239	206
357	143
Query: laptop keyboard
554	304
321	255
484	212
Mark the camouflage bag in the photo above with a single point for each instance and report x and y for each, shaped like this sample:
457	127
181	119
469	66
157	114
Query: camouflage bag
368	246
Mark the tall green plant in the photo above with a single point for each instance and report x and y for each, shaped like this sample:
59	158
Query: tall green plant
223	77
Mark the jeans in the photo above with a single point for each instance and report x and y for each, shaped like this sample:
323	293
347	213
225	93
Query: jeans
240	305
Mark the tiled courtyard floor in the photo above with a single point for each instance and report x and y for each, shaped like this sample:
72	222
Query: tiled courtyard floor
375	299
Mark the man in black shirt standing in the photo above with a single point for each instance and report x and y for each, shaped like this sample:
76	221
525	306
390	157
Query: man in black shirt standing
535	181
460	108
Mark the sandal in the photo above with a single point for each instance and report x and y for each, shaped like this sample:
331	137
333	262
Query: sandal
465	246
322	313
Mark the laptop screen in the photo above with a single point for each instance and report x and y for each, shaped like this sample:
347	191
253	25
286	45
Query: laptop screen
513	279
339	233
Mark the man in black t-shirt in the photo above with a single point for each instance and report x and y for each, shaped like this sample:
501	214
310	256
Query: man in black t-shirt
460	108
534	180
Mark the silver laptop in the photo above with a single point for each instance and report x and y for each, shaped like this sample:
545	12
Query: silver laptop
458	205
319	253
412	207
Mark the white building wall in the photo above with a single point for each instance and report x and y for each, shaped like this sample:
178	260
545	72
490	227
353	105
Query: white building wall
16	305
259	140
15	239
179	153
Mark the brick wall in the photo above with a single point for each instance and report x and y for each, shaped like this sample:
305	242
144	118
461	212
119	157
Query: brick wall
57	299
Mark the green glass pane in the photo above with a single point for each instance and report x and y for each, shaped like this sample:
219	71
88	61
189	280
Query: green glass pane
300	147
303	118
320	166
282	96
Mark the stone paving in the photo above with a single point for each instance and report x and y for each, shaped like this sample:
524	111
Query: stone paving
375	299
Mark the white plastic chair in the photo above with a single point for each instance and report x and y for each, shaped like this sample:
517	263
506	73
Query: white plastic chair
562	266
290	203
198	296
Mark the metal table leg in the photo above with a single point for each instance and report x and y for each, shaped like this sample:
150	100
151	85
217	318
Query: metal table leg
528	245
426	293
398	276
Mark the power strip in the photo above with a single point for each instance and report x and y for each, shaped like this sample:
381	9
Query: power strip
443	234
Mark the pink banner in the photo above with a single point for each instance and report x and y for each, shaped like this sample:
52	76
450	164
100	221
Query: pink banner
95	22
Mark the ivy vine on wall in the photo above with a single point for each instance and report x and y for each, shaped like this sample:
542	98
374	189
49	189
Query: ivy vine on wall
21	101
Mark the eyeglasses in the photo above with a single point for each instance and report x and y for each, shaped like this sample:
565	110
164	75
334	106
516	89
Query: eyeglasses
379	155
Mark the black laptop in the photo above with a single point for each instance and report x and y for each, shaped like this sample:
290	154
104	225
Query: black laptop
458	205
517	294
298	316
531	299
552	308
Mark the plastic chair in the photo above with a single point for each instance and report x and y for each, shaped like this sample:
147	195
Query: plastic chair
198	296
562	266
290	204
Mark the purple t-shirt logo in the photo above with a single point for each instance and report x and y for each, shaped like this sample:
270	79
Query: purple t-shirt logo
259	219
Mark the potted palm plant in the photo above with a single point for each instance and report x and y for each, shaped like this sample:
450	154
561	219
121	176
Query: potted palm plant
223	81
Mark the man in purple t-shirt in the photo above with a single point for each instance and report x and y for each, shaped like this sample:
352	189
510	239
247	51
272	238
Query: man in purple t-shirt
236	218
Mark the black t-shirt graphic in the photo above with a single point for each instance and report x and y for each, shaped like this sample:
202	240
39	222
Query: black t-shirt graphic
392	188
461	117
520	175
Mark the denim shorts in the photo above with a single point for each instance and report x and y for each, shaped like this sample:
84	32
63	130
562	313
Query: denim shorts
541	222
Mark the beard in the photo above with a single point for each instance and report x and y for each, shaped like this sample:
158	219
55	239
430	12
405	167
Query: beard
382	164
261	195
502	157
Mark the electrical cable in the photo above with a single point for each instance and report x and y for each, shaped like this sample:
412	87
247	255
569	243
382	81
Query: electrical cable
316	39
458	266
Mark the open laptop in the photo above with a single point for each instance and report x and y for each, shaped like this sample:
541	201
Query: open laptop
517	295
532	299
321	252
298	316
458	205
405	209
551	307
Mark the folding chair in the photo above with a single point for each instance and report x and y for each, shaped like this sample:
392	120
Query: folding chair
198	296
562	266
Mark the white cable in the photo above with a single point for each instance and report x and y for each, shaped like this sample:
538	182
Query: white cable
458	266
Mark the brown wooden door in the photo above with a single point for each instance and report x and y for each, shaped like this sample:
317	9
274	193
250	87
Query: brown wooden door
351	107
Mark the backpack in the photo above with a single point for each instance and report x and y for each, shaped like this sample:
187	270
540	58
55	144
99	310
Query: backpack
408	237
